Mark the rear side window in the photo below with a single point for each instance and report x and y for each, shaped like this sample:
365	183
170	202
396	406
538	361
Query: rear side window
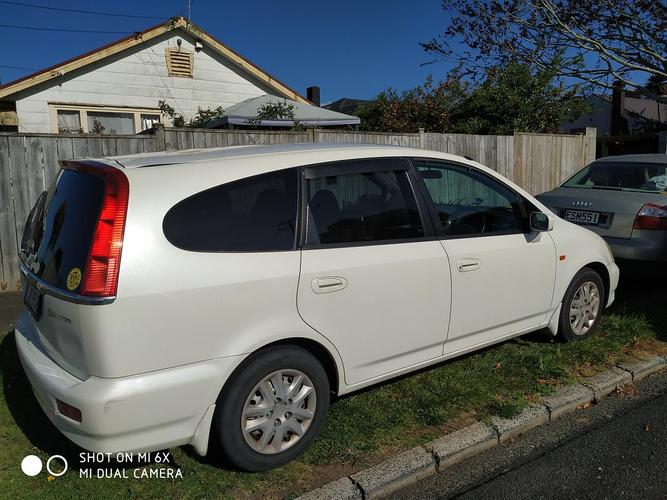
650	177
60	228
255	214
358	207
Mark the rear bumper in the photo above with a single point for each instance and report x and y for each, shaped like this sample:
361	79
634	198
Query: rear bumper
648	246
146	412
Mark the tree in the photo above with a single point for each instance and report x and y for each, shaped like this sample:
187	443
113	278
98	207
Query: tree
280	110
596	42
200	120
513	98
429	106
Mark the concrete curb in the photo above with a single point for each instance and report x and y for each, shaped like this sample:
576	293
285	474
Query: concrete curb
508	428
422	461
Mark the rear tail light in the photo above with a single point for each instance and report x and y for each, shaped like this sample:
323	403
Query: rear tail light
100	278
651	217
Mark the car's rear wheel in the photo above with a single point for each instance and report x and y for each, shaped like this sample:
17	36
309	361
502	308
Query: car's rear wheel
582	305
272	408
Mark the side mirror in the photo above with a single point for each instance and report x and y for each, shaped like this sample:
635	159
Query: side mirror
540	222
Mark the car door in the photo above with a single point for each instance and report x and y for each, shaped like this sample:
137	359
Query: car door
502	273
372	280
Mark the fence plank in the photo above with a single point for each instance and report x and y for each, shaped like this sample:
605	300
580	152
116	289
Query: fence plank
50	159
8	248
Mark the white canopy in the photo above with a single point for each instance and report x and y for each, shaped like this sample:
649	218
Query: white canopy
305	114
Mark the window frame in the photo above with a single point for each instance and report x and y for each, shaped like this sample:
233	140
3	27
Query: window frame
525	207
83	110
350	166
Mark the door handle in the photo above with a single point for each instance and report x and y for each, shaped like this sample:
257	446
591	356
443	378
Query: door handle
465	265
327	284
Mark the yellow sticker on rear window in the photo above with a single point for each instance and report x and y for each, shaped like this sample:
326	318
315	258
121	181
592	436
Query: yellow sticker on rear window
74	279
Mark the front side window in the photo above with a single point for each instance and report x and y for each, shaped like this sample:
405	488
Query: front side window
357	206
650	177
469	203
255	214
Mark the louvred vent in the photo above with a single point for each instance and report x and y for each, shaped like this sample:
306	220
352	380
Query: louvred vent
179	62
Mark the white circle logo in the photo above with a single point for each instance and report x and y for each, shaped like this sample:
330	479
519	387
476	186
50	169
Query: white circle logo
31	465
48	466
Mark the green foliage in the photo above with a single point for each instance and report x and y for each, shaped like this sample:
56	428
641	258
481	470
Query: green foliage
512	98
515	99
429	106
280	110
200	120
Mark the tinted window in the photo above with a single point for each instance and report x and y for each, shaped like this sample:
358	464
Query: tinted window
620	176
249	215
60	228
362	207
470	203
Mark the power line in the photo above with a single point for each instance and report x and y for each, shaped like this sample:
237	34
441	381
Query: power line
78	11
64	30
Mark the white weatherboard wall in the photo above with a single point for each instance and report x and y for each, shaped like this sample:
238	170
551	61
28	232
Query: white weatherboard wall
139	78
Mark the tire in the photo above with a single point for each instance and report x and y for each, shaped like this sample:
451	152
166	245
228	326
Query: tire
246	401
587	289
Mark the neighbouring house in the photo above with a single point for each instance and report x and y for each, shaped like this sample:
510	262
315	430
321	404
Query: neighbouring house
116	88
347	105
245	114
626	122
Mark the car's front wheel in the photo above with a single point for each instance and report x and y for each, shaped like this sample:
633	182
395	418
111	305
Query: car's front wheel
272	408
582	305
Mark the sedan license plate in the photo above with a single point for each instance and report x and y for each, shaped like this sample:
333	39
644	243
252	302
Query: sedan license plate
582	217
32	299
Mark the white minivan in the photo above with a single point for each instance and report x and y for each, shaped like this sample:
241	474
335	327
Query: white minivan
220	297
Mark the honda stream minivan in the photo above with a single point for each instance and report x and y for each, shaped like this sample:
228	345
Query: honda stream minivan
220	297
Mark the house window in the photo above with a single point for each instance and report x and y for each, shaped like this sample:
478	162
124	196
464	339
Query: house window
149	121
179	62
84	119
101	122
69	121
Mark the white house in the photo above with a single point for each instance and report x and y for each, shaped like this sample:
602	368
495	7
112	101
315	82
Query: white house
116	88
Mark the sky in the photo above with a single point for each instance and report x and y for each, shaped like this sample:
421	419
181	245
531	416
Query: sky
348	48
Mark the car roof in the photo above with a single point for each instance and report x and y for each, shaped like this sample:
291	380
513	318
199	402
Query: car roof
231	152
643	158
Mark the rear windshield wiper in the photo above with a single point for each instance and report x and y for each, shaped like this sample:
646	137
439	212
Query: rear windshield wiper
611	188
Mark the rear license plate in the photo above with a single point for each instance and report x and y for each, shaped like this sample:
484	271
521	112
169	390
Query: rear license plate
32	299
582	217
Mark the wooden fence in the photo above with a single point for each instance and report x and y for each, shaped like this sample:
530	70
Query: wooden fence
29	162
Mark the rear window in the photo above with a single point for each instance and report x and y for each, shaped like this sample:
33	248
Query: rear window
60	227
649	177
255	214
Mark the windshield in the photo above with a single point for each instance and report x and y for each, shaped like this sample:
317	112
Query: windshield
649	177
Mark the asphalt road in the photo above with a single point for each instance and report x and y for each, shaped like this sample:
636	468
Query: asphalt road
614	450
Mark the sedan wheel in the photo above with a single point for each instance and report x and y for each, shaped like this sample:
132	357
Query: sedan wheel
584	308
582	305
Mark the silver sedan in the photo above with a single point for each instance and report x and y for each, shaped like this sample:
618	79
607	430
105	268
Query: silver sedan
623	199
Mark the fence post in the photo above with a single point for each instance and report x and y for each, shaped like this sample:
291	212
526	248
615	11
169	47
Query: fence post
590	144
310	134
422	138
160	138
